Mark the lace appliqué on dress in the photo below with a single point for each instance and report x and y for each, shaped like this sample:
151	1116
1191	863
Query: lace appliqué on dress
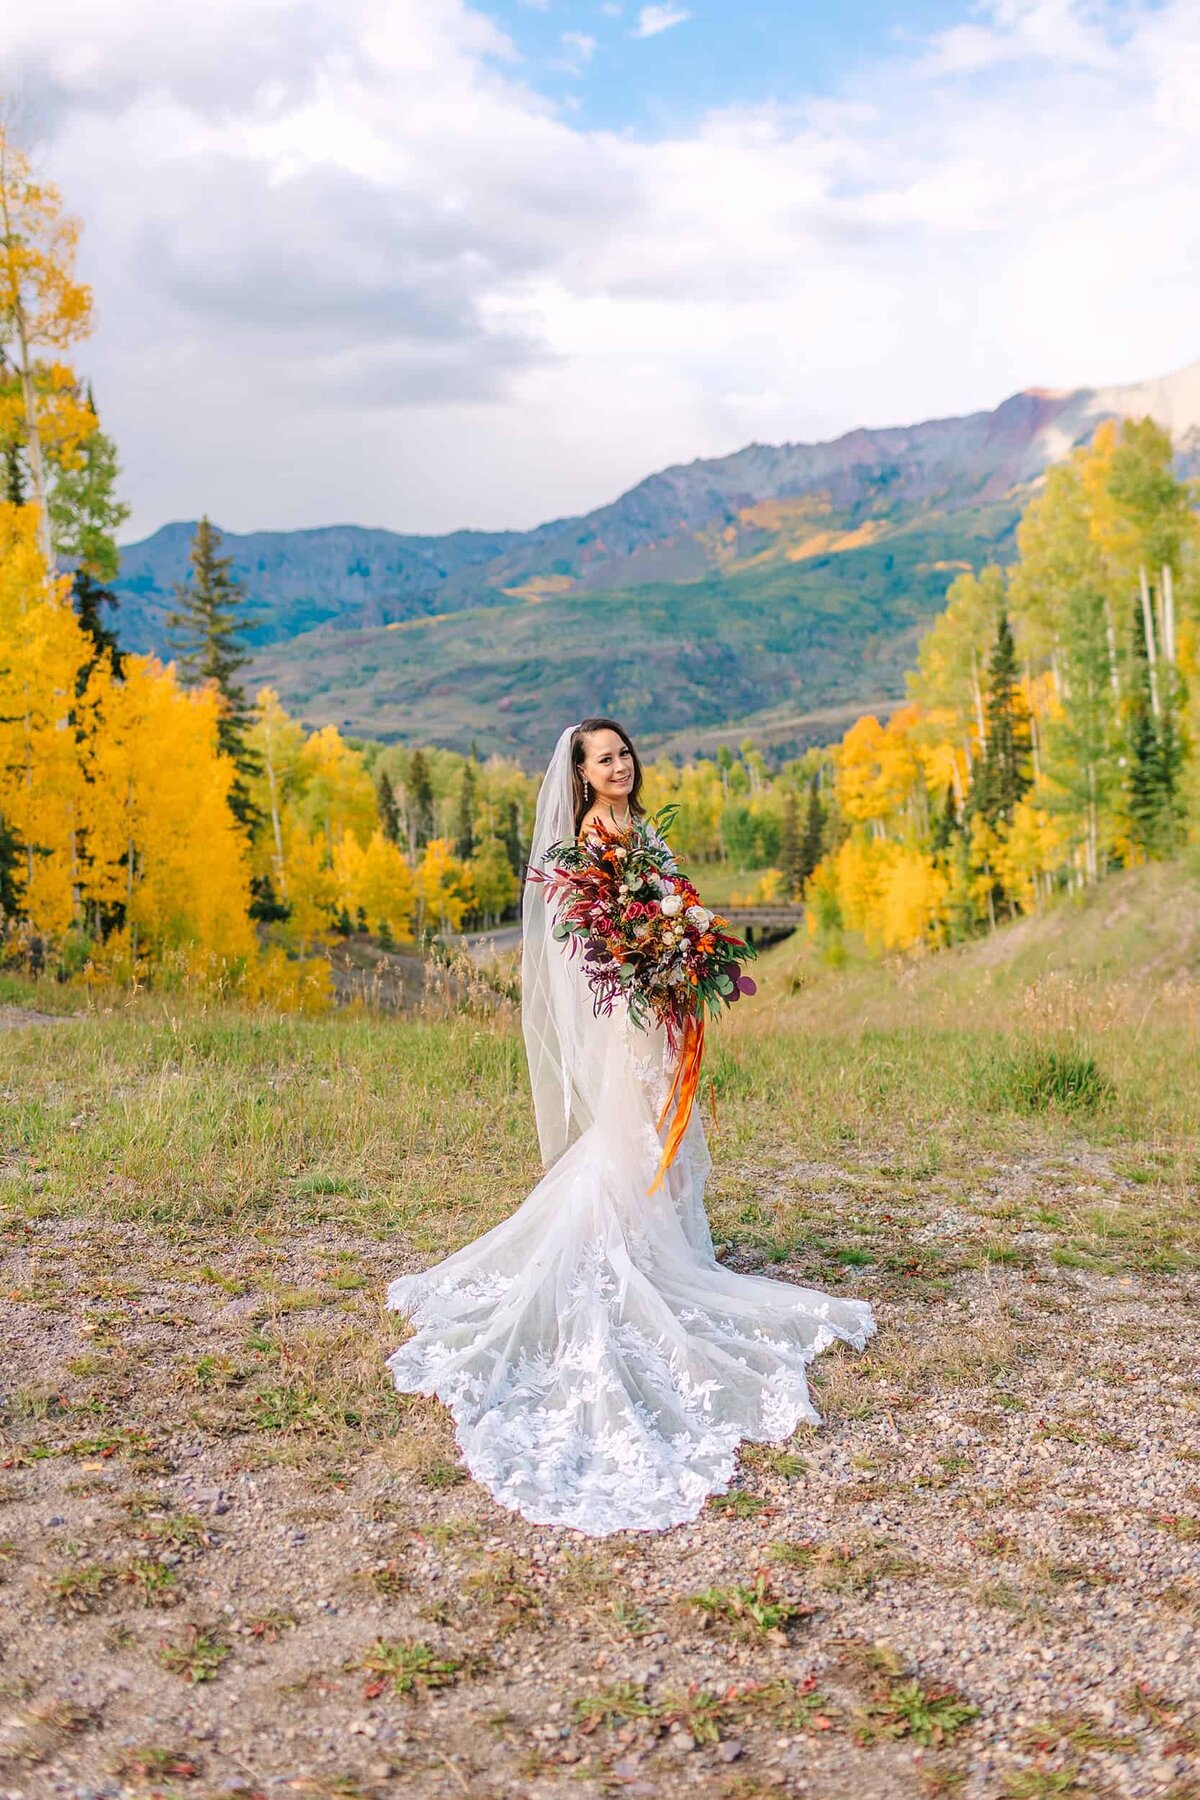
600	1365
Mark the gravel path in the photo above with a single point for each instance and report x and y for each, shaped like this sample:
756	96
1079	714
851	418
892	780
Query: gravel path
236	1563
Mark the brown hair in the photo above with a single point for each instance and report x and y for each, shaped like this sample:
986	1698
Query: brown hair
578	755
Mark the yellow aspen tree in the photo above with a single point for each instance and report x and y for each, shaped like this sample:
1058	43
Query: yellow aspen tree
912	897
952	657
163	787
443	886
42	304
387	890
42	649
65	418
857	869
856	763
312	889
275	742
878	774
349	859
494	885
1032	846
335	793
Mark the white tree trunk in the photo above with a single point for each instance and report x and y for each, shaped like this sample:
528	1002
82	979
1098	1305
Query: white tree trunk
1168	592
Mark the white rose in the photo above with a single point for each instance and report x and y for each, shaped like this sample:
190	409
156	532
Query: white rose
697	916
671	905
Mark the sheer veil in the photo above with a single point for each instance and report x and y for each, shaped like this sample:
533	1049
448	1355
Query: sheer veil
601	1365
556	1007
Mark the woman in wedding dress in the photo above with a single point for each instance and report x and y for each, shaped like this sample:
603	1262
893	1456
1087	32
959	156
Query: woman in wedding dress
600	1364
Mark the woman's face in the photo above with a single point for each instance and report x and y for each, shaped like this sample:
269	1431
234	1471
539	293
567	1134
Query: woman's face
608	769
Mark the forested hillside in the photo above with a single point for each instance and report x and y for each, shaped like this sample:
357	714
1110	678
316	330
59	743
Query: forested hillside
748	592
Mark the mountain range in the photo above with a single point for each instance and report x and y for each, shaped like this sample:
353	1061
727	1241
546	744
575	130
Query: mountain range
773	593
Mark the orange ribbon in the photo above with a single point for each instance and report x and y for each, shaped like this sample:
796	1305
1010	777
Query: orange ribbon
682	1094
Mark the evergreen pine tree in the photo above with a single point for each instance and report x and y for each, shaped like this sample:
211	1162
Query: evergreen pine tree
1005	776
946	822
812	843
90	597
207	632
16	490
790	847
420	796
11	853
512	838
265	905
466	812
389	812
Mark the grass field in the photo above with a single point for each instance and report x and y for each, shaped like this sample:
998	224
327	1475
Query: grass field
236	1562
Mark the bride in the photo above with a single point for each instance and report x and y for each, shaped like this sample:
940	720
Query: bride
600	1364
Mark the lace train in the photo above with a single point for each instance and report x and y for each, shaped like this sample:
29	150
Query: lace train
600	1364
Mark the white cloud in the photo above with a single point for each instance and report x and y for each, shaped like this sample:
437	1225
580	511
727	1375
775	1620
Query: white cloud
579	48
349	265
653	19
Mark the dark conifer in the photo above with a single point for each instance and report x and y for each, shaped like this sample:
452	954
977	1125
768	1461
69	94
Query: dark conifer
1005	776
790	847
389	812
513	842
207	634
466	812
420	798
812	843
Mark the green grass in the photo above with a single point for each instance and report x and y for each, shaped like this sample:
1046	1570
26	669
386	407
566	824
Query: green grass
181	1116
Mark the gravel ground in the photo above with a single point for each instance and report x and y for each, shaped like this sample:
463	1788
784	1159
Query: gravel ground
235	1563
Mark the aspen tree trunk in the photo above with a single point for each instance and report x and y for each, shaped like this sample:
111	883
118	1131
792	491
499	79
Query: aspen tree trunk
1151	653
1168	592
29	788
1092	821
275	825
1111	630
1062	685
37	466
977	692
1034	741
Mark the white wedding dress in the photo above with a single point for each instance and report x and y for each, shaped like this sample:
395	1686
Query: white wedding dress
600	1364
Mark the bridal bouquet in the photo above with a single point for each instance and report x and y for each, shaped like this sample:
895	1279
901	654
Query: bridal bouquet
646	936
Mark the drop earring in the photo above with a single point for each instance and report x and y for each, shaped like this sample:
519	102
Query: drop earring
587	793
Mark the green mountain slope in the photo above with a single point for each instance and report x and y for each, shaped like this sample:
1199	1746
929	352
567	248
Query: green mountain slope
771	592
761	646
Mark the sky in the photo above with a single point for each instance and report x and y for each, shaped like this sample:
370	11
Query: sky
426	264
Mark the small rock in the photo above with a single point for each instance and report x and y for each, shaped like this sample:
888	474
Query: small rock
730	1751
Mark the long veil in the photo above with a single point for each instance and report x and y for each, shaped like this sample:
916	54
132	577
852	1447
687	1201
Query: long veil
600	1363
555	1000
